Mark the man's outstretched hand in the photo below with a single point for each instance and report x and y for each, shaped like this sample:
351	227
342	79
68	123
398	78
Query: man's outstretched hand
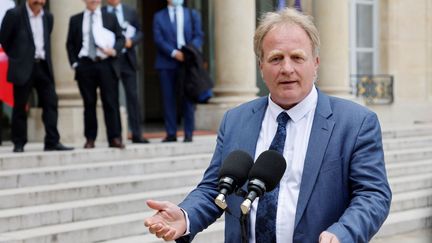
168	223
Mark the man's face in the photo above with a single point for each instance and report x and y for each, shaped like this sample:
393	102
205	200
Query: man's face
36	5
288	66
92	4
113	2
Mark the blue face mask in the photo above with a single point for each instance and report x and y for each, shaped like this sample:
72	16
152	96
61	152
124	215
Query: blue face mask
177	2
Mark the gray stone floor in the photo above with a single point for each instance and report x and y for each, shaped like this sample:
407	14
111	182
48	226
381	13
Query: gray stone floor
419	236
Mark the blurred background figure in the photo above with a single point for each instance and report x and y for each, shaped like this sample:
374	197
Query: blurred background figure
128	20
174	27
6	89
95	62
30	67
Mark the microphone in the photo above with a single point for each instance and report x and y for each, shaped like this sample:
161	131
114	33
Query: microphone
233	174
264	176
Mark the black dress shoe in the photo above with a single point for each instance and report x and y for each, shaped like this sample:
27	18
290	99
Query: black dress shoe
18	149
169	139
187	140
57	147
140	140
116	143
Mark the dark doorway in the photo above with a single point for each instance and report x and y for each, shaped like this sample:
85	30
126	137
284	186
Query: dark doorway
152	101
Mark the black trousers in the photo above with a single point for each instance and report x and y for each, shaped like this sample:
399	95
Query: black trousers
91	76
43	82
129	79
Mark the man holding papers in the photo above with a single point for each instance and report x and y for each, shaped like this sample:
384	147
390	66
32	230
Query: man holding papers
94	41
128	20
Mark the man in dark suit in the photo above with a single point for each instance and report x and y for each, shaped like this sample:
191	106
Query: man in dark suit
128	20
93	43
25	37
174	27
334	188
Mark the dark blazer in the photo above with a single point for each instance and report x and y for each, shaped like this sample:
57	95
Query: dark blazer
344	187
75	38
130	15
16	39
165	36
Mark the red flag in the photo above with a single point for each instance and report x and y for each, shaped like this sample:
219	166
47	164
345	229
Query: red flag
6	88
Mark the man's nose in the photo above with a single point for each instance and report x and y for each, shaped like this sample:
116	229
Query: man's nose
287	67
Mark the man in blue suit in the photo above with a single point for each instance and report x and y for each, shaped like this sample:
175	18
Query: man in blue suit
174	27
335	187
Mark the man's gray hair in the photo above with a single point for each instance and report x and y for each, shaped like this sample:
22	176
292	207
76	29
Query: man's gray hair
271	20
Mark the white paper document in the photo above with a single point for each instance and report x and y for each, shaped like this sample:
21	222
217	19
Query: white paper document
104	38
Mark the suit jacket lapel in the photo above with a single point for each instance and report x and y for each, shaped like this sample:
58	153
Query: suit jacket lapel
252	124
320	134
79	31
166	18
46	33
27	22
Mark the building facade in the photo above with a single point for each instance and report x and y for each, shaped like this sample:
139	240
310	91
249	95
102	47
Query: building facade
375	52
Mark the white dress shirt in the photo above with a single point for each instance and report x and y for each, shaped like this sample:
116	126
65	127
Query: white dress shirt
97	23
180	25
298	131
37	28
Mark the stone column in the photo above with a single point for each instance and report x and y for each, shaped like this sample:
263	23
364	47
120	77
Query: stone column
234	58
332	20
70	111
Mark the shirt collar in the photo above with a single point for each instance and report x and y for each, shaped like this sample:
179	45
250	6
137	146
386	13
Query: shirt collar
298	111
30	12
171	8
97	11
119	8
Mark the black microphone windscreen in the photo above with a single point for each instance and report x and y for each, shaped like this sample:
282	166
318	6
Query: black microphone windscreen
269	168
237	165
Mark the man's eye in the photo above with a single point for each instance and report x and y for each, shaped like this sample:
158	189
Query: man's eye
298	58
275	59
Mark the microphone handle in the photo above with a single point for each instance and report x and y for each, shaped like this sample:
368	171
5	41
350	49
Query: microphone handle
247	203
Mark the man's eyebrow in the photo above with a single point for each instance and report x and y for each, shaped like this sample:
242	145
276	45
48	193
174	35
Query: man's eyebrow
274	53
299	52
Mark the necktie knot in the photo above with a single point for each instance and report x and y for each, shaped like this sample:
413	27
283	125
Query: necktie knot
282	119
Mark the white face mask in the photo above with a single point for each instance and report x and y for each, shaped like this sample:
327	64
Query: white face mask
177	3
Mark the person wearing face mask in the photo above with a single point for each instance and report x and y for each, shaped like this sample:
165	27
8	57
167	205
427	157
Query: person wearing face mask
174	27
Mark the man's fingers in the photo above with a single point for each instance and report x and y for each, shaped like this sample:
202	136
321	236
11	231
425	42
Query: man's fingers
157	205
327	237
169	235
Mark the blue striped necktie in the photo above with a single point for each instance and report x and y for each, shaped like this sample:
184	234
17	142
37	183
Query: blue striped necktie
265	224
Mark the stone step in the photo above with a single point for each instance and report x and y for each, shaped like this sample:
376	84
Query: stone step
408	142
410	183
84	231
39	195
73	211
68	173
411	200
213	234
409	168
411	154
406	221
99	230
406	131
32	159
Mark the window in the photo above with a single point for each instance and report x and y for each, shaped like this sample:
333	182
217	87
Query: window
364	58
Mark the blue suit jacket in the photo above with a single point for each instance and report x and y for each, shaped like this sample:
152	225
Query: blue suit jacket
344	187
165	36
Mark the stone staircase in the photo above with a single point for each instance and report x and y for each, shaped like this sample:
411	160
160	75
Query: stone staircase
93	195
99	195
